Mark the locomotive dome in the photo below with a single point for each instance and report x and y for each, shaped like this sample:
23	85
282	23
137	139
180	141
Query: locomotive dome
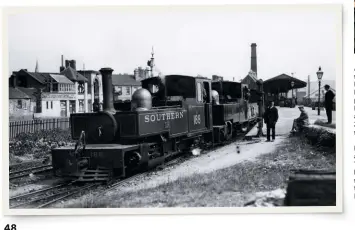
141	100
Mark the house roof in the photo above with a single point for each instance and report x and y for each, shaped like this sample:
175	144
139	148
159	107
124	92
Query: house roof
61	79
251	75
29	92
124	80
41	77
16	93
73	75
88	71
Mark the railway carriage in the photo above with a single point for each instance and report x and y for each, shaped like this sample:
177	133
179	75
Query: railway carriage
167	116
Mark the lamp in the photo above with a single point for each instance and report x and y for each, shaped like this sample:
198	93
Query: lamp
319	76
292	84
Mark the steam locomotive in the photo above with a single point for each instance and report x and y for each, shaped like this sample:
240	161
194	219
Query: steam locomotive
167	116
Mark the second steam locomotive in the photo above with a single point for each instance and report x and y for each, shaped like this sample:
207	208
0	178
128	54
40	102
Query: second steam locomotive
167	116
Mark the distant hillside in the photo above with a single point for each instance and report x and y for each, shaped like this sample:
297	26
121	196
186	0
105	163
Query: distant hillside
314	85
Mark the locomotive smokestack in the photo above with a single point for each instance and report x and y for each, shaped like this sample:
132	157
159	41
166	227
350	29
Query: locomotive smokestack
253	66
106	74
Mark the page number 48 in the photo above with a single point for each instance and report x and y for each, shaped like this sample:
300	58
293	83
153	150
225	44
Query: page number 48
10	227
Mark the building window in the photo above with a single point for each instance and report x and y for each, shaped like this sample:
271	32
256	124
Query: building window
81	105
19	104
128	90
51	104
117	90
47	105
81	88
55	87
72	106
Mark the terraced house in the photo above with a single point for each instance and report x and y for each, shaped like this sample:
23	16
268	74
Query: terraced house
55	94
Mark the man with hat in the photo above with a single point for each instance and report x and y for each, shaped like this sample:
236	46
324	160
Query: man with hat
301	121
328	102
271	116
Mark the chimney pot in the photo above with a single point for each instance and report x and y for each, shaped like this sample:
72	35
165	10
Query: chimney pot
73	64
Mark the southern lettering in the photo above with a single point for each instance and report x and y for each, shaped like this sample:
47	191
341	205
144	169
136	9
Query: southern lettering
163	116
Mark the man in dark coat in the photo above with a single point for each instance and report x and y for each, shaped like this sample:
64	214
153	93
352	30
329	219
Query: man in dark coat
271	116
301	121
328	102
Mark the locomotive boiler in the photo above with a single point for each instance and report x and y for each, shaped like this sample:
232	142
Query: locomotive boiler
167	116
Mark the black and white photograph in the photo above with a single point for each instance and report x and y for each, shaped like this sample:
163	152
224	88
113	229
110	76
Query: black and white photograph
137	108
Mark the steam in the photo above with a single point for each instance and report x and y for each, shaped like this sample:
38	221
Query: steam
196	152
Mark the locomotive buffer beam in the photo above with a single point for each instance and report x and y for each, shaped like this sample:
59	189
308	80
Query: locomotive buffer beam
89	175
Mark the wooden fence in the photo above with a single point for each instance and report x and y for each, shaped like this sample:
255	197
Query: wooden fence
30	126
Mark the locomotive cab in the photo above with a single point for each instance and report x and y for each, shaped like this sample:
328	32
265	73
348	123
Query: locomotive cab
228	91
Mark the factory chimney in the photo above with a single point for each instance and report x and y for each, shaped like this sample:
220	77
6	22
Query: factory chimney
106	74
61	68
253	66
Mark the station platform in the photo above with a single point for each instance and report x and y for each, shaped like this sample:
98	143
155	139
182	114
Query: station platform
286	117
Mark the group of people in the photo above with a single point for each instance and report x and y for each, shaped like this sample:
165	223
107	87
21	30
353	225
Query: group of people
271	115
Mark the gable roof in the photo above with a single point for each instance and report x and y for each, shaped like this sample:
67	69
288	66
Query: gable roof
61	79
124	80
40	77
73	75
282	83
29	92
16	93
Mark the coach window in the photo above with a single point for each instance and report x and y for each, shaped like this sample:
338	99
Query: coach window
199	92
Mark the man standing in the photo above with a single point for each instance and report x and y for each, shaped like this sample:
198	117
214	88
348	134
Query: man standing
271	116
328	102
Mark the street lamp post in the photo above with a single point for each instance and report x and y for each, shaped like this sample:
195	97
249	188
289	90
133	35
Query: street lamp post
292	84
261	106
319	76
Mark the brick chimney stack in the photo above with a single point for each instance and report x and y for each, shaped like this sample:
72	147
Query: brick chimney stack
253	66
61	68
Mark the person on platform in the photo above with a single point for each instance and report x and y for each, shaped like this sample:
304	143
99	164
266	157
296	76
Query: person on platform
328	102
271	116
301	121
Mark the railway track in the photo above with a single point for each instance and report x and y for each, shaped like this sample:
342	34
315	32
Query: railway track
33	170
47	196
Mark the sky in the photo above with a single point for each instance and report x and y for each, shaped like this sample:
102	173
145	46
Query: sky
188	41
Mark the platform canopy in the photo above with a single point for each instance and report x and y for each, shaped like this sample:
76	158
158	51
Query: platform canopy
282	84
